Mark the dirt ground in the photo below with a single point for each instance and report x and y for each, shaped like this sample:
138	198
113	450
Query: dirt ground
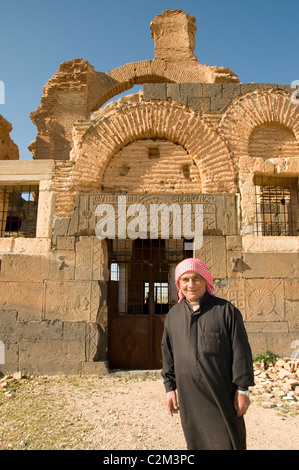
119	411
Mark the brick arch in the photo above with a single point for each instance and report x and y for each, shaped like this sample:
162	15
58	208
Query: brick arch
97	141
125	77
252	110
270	140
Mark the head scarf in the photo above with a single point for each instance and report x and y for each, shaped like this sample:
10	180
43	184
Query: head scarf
193	264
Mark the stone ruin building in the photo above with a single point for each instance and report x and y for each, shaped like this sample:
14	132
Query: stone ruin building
71	302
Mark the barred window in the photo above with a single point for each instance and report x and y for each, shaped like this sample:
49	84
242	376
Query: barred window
160	292
18	211
276	200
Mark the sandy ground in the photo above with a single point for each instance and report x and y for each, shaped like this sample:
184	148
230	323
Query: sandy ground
119	412
134	416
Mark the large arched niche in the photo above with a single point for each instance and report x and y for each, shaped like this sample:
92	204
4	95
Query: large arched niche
272	140
97	141
151	166
256	114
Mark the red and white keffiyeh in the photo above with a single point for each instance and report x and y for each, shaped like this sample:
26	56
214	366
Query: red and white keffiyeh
198	266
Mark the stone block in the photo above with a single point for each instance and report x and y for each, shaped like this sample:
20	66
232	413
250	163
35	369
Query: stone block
24	297
17	267
231	90
65	243
74	331
205	105
235	265
233	290
218	105
190	90
25	171
201	105
292	289
91	259
257	341
62	265
61	226
84	257
234	255
173	92
8	322
233	243
248	87
267	327
95	368
292	309
68	300
264	300
100	271
219	210
11	358
271	265
32	246
155	91
39	331
213	254
6	245
259	300
51	357
212	90
45	213
260	244
280	343
95	342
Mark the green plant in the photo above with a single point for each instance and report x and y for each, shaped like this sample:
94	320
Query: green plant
265	357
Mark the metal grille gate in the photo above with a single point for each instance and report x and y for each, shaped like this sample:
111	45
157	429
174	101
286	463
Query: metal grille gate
141	291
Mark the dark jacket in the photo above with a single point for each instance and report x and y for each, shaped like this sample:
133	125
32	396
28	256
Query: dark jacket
206	357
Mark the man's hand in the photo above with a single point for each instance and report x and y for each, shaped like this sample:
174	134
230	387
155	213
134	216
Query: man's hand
171	403
241	403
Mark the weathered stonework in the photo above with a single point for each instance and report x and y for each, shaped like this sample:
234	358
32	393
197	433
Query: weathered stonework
195	134
8	149
77	89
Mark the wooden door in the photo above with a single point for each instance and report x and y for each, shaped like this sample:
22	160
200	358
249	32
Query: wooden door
140	293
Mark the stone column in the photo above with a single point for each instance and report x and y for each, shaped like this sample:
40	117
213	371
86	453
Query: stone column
174	36
46	206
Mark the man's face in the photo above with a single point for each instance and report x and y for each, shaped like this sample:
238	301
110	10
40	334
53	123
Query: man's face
193	286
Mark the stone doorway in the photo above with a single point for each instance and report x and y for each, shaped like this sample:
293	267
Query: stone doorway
141	291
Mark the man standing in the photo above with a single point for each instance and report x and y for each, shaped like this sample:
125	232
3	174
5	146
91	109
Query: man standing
207	360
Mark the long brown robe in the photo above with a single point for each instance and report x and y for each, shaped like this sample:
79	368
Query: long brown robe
206	357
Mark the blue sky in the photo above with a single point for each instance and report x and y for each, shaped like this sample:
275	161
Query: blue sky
258	40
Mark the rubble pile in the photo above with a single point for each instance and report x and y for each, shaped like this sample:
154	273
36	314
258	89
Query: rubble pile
278	383
10	382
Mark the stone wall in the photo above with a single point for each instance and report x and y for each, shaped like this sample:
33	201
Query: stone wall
52	317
